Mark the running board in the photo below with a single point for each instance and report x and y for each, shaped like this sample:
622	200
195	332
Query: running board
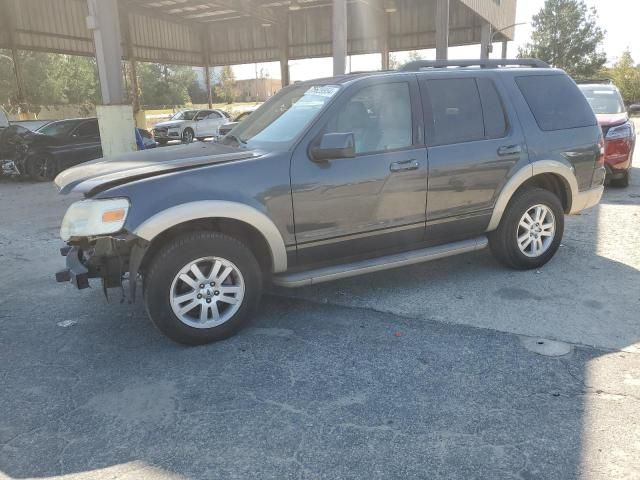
327	274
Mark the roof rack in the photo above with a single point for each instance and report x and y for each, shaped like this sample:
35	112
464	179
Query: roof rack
522	62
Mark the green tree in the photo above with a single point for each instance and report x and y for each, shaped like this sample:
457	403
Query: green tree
80	76
50	79
165	84
197	94
626	76
566	35
227	89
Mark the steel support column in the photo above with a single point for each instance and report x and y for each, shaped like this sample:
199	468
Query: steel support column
505	46
485	40
206	60
115	117
284	50
339	36
442	29
135	87
104	22
384	39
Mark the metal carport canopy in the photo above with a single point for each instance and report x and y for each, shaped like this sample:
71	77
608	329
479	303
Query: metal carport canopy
228	32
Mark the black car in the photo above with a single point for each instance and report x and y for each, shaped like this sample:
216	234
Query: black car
42	154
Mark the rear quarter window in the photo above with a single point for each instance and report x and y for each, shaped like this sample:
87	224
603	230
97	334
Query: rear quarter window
556	102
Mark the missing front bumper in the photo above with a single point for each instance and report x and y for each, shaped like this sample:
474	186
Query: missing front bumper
110	259
76	272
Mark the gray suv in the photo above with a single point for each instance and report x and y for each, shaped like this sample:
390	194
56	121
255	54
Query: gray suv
334	178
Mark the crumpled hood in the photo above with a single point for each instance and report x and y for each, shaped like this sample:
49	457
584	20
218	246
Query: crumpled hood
171	123
612	119
98	175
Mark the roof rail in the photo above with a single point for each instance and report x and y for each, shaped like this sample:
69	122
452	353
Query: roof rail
422	64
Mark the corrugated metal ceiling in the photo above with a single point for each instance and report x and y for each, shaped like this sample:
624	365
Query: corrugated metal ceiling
245	31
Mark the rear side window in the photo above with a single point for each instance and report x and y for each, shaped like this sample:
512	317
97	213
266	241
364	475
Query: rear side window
495	121
456	110
556	102
87	129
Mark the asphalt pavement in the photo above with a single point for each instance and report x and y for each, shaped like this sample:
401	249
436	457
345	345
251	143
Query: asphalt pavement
448	370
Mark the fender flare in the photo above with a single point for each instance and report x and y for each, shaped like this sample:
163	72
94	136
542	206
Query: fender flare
562	170
186	212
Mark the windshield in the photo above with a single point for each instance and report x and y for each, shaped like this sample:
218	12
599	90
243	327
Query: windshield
188	115
278	122
603	99
58	129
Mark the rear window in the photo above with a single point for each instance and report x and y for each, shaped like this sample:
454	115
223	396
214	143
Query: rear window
603	99
556	102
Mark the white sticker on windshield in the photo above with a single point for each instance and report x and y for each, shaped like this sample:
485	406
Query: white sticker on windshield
323	90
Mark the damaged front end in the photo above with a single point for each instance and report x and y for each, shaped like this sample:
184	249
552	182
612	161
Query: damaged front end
113	259
14	146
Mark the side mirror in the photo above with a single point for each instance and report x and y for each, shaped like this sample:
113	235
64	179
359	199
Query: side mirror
334	145
635	108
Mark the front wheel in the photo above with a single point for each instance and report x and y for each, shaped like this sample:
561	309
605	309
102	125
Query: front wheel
202	287
41	168
530	231
187	135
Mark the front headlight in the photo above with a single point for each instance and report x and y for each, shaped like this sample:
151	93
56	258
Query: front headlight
621	131
89	218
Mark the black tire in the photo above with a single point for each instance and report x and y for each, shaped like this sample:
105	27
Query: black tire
178	253
163	142
41	168
622	182
504	240
200	139
187	135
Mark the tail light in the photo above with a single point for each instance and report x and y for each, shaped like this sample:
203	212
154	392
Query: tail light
621	131
600	160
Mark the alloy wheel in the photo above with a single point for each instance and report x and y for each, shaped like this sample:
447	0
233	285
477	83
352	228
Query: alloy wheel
207	292
536	231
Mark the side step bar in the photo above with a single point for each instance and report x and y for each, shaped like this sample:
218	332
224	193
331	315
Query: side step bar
327	274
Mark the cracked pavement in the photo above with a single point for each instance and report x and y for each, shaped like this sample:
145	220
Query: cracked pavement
424	372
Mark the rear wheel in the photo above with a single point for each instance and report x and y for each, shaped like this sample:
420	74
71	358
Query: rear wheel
41	168
622	182
202	287
163	142
530	231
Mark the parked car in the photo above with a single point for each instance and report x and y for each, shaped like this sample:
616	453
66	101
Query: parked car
58	145
189	124
227	127
339	177
619	131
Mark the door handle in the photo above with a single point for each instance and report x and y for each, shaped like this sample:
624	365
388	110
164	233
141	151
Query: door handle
404	166
509	150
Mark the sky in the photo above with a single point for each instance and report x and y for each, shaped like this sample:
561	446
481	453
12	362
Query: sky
619	18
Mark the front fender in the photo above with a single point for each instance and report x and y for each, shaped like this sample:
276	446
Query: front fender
186	212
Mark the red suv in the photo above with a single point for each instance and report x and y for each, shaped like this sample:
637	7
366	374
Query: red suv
619	131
